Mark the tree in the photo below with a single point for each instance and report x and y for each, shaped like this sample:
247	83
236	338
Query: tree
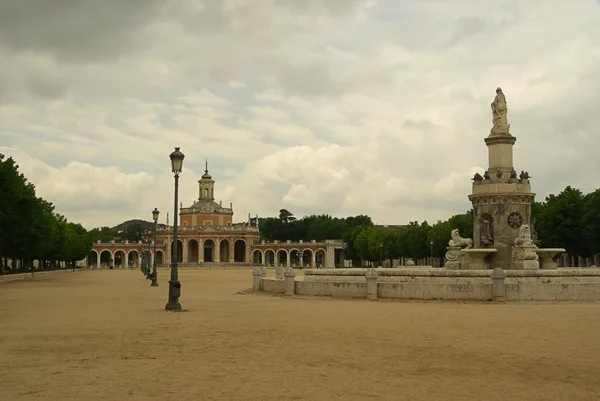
590	220
29	228
286	216
560	221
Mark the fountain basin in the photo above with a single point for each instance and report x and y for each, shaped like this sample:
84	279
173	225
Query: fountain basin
546	257
474	258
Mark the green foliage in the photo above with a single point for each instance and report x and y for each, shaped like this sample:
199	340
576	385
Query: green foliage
559	221
30	229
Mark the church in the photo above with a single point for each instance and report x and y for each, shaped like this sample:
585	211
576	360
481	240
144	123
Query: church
207	233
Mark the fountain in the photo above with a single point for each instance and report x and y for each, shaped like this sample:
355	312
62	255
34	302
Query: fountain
501	262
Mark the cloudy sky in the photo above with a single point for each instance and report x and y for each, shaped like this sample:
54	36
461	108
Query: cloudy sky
317	106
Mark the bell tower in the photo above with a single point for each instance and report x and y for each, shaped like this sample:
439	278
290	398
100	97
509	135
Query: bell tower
206	185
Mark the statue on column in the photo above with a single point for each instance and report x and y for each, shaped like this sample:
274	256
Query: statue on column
499	110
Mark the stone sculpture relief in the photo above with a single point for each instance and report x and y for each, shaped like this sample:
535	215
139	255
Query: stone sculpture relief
499	111
524	237
524	176
477	177
515	220
458	241
524	253
486	236
486	175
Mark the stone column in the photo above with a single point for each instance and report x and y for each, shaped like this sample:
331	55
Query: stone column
185	257
200	250
329	257
288	258
371	276
498	285
290	281
217	251
313	259
256	278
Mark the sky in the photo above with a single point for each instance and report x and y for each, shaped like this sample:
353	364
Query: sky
342	107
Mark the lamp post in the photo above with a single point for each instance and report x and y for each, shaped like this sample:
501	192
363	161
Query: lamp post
431	247
381	254
174	284
155	213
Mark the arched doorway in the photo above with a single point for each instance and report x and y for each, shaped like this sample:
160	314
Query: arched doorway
282	257
209	251
224	248
179	251
92	258
160	257
119	259
193	252
239	251
133	258
105	258
320	258
307	258
257	257
270	257
295	257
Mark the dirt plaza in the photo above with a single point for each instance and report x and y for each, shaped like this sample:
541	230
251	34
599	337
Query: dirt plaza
104	335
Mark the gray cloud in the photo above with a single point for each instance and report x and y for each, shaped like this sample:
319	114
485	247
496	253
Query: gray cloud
467	27
77	31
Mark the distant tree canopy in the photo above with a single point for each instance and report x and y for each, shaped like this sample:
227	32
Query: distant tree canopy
569	220
321	227
30	229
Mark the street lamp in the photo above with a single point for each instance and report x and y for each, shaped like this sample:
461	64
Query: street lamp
431	247
174	284
381	254
155	213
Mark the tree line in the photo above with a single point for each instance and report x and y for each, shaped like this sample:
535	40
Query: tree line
31	230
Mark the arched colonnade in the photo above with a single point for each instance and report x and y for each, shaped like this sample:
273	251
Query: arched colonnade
121	258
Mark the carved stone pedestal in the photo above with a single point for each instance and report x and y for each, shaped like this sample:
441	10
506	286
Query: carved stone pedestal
525	257
453	258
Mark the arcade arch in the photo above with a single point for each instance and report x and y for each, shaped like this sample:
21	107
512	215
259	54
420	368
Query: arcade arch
239	251
160	257
257	257
224	251
209	251
269	257
282	257
133	258
179	251
307	257
193	251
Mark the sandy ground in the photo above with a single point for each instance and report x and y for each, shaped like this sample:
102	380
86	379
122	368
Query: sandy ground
103	335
